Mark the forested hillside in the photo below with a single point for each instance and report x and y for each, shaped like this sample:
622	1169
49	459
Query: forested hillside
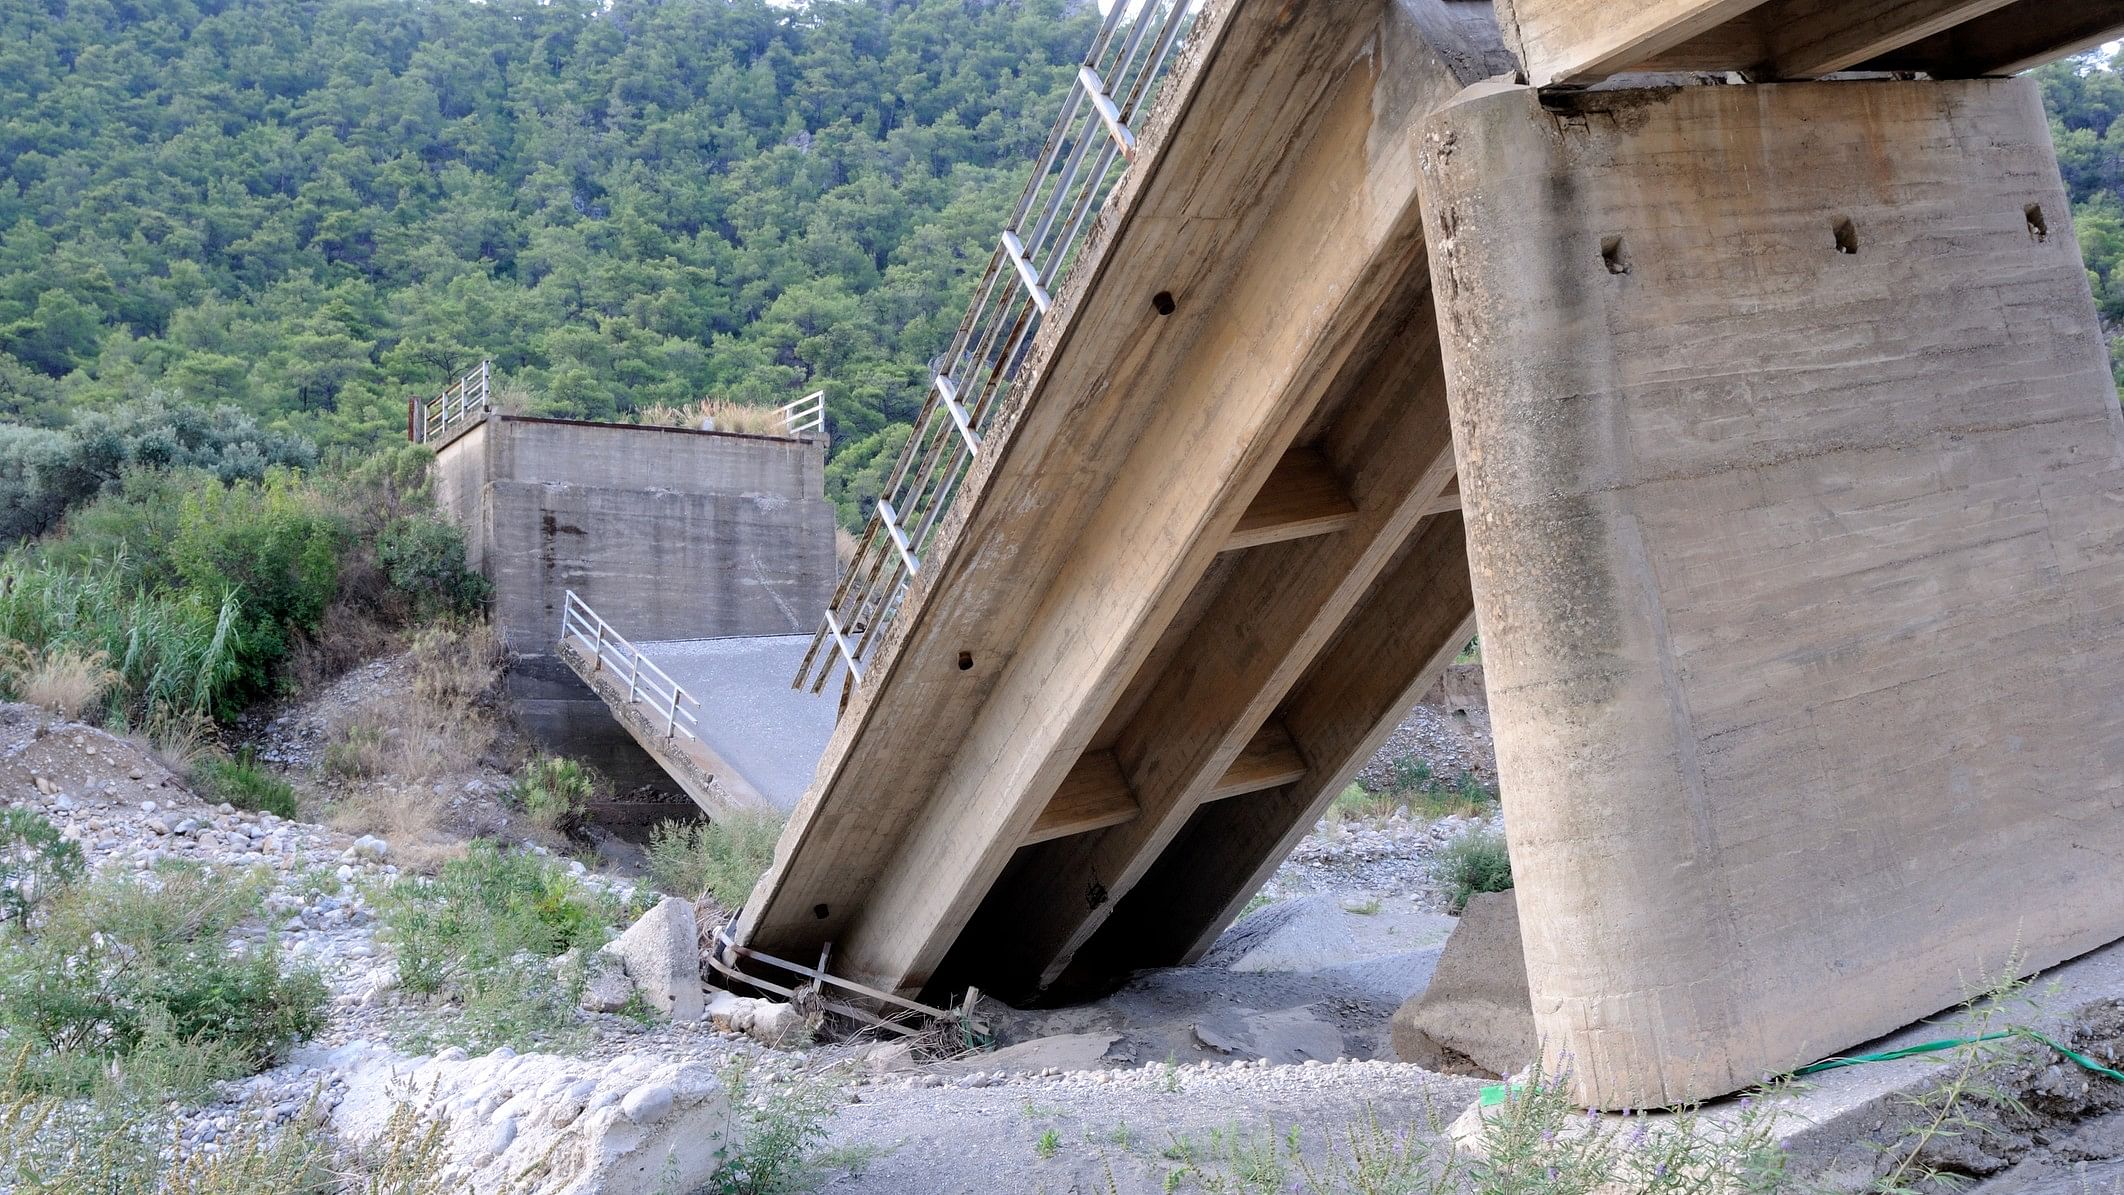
2086	102
310	209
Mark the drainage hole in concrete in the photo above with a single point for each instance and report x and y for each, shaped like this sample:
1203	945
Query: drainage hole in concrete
965	661
1846	236
2038	228
1613	253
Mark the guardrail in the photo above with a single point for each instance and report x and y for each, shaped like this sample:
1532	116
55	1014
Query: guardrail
610	651
1089	148
805	415
463	399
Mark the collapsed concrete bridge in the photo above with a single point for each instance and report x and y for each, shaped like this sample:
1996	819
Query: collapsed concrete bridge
1763	426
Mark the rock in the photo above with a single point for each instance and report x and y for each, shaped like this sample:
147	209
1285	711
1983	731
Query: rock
1068	1051
777	1024
45	786
1477	1009
1284	1036
730	1012
648	1103
661	954
372	848
606	987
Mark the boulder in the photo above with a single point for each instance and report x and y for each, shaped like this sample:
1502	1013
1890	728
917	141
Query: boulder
606	987
536	1122
1477	1009
661	954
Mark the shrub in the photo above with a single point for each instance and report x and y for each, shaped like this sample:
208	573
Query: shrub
68	681
715	414
120	967
44	473
479	936
35	862
1474	862
723	859
424	558
555	791
243	783
775	1127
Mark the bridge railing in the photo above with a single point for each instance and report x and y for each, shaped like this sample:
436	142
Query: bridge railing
468	397
805	415
1089	148
646	683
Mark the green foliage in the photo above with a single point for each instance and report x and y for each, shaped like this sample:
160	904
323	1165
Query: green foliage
424	558
776	1125
192	589
555	791
1474	862
143	974
243	783
35	862
1431	797
2085	99
479	937
43	473
724	858
312	211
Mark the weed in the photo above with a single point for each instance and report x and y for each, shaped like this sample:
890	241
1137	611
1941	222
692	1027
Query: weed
35	863
68	681
243	783
1049	1142
775	1126
1477	861
555	792
1169	1077
723	858
1356	803
715	414
141	978
1364	908
481	935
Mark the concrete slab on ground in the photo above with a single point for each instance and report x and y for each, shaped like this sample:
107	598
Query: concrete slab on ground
769	732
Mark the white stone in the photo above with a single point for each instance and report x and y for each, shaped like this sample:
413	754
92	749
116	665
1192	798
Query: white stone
648	1103
661	953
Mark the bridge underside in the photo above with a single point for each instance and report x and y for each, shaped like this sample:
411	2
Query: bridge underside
1790	465
1217	559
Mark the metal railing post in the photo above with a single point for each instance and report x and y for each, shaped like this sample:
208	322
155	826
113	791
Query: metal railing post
634	676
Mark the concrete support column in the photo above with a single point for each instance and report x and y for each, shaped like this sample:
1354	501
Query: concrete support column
1791	472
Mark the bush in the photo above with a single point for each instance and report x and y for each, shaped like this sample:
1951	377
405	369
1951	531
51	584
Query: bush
243	783
45	473
68	681
480	935
1474	862
35	863
555	791
723	859
424	558
120	967
775	1128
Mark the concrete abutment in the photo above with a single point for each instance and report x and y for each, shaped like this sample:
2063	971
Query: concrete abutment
1791	473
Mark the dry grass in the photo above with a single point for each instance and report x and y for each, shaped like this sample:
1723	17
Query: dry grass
398	742
715	414
844	546
64	680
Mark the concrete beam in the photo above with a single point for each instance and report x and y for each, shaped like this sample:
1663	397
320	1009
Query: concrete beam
1301	497
2020	36
1584	41
1096	794
1412	623
1790	462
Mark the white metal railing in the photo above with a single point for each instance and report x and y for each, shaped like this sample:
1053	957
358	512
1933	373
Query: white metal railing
610	651
1091	145
805	415
468	396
